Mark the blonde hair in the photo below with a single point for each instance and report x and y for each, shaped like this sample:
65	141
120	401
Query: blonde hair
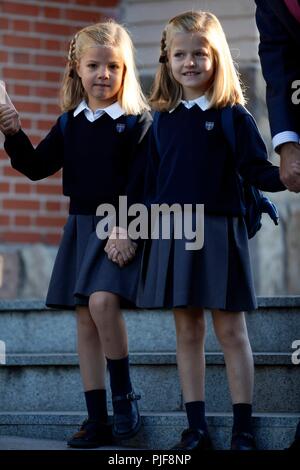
110	33
226	88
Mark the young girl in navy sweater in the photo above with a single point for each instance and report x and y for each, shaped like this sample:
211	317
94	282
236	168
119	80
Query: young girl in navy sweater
191	162
98	148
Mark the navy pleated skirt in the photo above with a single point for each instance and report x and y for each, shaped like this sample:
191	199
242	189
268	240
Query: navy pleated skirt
82	268
218	276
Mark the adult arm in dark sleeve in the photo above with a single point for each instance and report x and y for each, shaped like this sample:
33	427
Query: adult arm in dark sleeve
279	56
40	162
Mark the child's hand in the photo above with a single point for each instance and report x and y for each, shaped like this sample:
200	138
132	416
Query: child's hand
112	252
296	167
115	256
119	248
9	120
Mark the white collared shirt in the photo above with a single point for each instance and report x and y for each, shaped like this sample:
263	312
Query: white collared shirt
114	111
201	101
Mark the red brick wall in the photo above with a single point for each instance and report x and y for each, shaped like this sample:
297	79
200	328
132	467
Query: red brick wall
34	37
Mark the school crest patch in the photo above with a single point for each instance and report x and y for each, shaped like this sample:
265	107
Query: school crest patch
209	125
120	127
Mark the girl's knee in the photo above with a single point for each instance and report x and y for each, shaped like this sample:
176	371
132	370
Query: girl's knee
191	332
230	336
85	322
105	310
230	329
101	302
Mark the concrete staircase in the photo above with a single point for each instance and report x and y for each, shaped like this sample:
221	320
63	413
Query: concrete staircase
41	392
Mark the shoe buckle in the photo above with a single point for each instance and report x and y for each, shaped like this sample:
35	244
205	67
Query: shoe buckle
131	396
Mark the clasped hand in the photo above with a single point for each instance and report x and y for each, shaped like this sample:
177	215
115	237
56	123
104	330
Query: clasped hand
119	248
290	166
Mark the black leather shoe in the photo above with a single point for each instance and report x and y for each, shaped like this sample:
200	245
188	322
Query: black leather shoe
296	442
91	434
126	425
243	441
193	439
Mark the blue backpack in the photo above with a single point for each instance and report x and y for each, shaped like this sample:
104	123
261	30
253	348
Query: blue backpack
254	201
130	121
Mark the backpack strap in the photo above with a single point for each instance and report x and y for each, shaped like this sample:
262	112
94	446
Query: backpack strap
155	129
228	127
131	121
63	122
227	122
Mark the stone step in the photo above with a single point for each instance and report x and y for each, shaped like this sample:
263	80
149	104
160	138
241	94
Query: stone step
159	430
35	382
27	327
26	443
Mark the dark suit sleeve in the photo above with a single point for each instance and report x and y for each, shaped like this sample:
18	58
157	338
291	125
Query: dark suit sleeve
280	66
252	158
36	163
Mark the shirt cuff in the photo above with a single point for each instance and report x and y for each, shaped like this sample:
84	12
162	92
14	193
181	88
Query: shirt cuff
284	137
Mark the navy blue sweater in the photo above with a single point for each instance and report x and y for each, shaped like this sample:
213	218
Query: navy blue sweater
194	162
99	163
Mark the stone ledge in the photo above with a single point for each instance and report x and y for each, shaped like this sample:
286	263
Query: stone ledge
161	418
283	301
279	301
155	359
25	443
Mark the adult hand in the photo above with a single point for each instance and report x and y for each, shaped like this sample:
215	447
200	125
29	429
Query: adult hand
290	166
9	120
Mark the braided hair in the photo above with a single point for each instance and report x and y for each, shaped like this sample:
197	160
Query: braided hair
163	48
72	56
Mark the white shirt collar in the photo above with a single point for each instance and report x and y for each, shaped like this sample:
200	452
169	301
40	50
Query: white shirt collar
201	101
114	111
